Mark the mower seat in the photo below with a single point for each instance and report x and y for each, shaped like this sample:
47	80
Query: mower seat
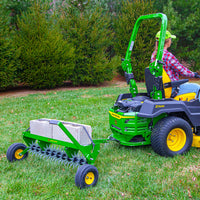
166	86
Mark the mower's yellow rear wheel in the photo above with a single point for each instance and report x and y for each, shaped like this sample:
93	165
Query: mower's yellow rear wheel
171	136
176	139
14	152
86	176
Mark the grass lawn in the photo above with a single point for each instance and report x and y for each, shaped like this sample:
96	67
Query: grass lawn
124	172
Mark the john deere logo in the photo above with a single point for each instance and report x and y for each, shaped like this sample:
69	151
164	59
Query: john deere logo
115	121
52	141
159	106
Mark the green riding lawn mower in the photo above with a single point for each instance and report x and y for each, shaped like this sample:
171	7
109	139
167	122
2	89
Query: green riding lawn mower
170	123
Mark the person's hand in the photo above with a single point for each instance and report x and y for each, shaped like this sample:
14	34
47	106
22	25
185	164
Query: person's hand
196	75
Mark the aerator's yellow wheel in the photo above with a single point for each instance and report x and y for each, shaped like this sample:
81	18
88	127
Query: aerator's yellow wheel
14	152
86	176
17	154
171	136
89	178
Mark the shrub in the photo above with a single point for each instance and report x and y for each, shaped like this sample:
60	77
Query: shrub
46	58
111	6
14	8
89	33
159	4
8	63
144	44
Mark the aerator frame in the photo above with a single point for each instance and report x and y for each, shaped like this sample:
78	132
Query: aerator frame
73	154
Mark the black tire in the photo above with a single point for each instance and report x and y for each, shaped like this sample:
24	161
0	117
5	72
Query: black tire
171	136
14	150
86	176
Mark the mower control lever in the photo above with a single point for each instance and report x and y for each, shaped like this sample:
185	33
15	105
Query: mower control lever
129	77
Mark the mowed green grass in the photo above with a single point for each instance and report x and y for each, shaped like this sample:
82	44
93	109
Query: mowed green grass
124	172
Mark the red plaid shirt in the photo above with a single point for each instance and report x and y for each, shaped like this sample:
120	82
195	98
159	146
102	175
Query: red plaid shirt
172	66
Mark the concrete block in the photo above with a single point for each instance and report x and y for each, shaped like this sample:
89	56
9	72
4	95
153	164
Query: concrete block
43	128
76	130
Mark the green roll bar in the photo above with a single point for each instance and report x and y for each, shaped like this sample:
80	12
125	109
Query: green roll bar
155	67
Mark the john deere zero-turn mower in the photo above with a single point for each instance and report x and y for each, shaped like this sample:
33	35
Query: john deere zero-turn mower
170	123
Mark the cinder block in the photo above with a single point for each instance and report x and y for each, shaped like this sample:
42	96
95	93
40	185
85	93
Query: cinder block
43	128
76	130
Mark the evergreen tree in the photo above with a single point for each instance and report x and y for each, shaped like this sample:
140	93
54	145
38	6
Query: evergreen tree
91	36
8	56
46	59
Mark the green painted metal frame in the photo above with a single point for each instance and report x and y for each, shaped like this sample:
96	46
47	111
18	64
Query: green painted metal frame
155	67
89	151
129	126
125	129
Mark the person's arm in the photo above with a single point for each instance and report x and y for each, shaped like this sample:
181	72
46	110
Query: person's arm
180	69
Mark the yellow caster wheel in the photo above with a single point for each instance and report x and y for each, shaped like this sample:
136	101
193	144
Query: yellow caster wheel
86	176
13	152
